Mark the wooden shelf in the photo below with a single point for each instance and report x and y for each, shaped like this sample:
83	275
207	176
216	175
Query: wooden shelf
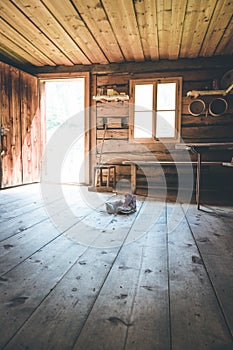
104	98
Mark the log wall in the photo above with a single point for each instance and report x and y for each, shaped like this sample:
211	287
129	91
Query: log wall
24	142
203	128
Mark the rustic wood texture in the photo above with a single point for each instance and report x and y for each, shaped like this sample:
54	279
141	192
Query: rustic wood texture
99	32
30	128
22	127
11	126
203	128
164	277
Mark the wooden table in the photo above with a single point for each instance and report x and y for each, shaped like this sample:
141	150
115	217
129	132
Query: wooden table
137	163
199	149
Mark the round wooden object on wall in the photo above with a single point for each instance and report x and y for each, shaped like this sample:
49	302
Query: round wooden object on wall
197	107
218	106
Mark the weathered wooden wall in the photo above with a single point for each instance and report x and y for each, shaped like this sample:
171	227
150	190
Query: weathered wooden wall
24	141
21	145
204	128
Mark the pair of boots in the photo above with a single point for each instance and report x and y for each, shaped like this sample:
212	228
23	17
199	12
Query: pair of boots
120	207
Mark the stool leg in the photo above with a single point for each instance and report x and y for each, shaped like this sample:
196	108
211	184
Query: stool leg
114	177
101	177
108	178
95	177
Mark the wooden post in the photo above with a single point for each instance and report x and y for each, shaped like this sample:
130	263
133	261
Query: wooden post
133	177
198	180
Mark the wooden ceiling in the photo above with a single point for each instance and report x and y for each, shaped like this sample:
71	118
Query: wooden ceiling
70	32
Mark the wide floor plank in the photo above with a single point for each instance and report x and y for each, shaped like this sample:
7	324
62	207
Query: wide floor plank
194	306
73	277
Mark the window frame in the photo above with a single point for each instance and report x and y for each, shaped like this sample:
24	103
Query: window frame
155	82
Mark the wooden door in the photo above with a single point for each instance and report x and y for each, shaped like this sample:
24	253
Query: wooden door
11	156
32	139
21	138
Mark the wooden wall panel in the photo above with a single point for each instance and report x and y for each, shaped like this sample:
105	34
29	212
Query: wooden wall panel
23	142
10	122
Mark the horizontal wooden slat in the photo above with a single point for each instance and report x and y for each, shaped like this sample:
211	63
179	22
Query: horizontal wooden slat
112	109
116	122
113	134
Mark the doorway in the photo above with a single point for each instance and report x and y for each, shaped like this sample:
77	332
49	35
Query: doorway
65	100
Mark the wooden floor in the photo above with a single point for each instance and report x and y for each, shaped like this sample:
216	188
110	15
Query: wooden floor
74	277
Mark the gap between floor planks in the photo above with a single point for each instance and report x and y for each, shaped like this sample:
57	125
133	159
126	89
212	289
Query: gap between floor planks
146	293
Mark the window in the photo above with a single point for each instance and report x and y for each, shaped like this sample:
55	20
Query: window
155	112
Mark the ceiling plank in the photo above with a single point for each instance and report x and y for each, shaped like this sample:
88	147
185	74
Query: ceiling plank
45	21
191	14
164	15
177	22
22	24
94	16
86	32
71	21
203	19
226	44
147	24
122	18
12	56
24	44
13	47
219	22
197	21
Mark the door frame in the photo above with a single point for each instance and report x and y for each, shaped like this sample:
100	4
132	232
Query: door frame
45	77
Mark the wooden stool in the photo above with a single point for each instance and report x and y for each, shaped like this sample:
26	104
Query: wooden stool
98	170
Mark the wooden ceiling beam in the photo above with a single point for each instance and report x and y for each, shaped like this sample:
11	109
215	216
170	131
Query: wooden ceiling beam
217	62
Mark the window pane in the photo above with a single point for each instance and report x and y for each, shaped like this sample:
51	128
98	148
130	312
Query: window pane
143	125
166	96
165	124
144	97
